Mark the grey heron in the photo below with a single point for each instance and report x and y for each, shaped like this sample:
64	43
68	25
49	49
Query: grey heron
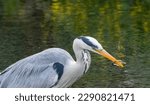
54	67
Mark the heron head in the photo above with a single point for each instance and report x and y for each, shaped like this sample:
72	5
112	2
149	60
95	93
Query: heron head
93	45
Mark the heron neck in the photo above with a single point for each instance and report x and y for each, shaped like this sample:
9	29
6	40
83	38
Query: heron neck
78	55
81	54
77	51
83	58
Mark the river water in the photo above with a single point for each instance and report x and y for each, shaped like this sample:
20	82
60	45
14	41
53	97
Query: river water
121	26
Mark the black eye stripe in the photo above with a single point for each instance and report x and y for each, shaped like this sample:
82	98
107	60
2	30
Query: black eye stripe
88	42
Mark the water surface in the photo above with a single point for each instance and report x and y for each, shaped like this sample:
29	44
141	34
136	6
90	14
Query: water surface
121	26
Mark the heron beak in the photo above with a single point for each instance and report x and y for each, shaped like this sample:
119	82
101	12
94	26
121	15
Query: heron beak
110	57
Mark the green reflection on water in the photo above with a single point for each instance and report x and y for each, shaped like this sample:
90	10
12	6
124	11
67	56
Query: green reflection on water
122	27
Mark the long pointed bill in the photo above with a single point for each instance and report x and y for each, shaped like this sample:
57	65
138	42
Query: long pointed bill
110	57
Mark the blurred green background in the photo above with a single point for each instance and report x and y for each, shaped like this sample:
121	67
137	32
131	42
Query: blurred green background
121	26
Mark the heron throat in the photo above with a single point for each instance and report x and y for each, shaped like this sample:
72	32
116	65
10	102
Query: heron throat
83	59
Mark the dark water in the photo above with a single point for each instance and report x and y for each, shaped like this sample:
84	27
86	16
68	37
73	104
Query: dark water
121	26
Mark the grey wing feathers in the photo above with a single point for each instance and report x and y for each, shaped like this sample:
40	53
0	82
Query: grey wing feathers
36	70
28	77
